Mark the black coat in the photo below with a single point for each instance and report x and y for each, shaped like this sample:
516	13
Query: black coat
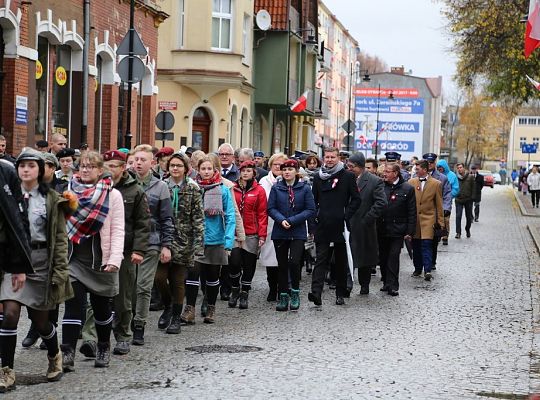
15	256
399	216
478	185
363	240
336	199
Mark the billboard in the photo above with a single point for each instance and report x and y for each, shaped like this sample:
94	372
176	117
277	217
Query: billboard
400	120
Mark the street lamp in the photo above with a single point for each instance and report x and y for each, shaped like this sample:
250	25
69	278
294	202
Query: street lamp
356	72
377	130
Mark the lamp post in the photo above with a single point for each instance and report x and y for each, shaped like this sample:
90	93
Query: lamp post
356	72
377	123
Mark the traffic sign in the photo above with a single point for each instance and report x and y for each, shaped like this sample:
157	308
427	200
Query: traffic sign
139	49
164	121
348	141
528	148
138	70
164	136
348	126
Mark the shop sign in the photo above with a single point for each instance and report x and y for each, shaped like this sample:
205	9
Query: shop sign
61	76
21	110
39	70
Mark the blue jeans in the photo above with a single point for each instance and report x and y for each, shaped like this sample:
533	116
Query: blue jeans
422	254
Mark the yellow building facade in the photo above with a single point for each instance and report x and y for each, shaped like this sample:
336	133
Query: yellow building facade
205	72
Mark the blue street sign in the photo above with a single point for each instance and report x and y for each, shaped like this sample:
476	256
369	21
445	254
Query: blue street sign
528	148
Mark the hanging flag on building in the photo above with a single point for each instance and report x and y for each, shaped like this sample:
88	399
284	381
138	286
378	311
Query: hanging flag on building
535	83
300	104
532	32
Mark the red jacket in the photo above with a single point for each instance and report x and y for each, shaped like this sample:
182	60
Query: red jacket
253	211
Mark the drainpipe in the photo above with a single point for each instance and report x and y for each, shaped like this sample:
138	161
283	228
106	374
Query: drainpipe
86	28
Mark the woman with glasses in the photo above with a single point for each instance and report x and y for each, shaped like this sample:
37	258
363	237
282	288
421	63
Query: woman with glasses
219	225
251	200
49	284
187	244
290	205
96	234
267	256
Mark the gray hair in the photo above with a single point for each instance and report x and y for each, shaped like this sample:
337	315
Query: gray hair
246	152
226	145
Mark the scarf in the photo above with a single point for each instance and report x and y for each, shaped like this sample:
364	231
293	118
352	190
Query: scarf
326	173
88	218
291	193
213	201
243	191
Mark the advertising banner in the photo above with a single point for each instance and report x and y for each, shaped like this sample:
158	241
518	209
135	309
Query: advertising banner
400	121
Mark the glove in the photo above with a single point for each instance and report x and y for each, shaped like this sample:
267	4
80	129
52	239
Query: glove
446	213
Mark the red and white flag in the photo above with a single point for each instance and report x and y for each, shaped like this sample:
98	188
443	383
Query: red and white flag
300	104
532	32
535	83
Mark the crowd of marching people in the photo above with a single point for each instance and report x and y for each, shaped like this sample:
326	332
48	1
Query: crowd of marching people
108	234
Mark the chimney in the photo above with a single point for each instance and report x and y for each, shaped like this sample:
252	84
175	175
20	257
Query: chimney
398	70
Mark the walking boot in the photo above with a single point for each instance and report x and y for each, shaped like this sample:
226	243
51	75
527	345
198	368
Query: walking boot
243	300
233	299
7	379
103	356
295	299
88	348
31	337
121	348
225	293
176	321
138	334
283	304
54	371
204	306
315	298
210	315
188	316
165	318
68	358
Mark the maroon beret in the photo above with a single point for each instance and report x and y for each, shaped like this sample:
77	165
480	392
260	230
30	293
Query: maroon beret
114	155
290	164
165	152
248	164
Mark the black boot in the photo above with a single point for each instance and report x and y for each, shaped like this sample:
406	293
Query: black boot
204	306
165	318
243	300
103	355
233	300
176	321
31	337
138	334
272	278
155	300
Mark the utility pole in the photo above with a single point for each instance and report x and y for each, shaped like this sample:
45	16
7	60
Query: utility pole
127	140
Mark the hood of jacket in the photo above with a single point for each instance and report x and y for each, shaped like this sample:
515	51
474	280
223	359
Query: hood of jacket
444	165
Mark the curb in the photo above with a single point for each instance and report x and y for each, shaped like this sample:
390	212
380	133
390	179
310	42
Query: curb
522	207
535	236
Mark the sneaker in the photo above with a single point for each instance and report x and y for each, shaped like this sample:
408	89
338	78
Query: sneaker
7	379
427	276
54	371
295	300
103	356
121	348
88	348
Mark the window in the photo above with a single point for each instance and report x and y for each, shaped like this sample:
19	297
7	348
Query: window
536	140
522	141
532	121
246	40
221	24
181	23
522	121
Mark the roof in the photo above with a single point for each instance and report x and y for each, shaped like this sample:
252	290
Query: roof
277	10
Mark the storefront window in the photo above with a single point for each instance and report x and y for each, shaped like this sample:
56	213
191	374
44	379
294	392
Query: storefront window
62	91
42	75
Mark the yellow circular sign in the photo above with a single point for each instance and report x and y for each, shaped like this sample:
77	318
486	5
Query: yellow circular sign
61	76
39	69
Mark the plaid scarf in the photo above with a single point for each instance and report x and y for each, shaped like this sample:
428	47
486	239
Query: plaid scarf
213	202
93	208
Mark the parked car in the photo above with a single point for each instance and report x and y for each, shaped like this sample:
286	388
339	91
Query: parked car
489	180
497	178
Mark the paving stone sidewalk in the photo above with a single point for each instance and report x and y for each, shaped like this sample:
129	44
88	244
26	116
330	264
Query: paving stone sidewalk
470	333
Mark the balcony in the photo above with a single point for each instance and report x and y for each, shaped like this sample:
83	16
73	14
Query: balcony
325	59
322	109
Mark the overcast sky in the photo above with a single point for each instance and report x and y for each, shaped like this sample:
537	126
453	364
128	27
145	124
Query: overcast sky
401	32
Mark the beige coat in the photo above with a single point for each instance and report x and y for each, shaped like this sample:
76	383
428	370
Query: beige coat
429	206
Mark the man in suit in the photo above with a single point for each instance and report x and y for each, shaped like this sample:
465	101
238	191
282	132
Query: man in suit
335	194
229	170
477	194
363	239
429	211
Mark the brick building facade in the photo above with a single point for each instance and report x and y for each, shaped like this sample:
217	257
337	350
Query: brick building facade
41	68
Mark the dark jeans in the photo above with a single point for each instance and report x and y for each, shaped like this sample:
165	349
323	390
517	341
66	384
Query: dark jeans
289	255
468	206
242	268
535	197
476	209
422	254
389	250
322	266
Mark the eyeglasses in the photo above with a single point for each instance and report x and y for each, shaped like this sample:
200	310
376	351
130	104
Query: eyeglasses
173	166
225	154
87	167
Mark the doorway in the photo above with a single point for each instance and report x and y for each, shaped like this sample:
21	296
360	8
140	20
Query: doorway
200	132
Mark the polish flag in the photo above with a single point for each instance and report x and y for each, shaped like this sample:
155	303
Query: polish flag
532	32
300	104
535	83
